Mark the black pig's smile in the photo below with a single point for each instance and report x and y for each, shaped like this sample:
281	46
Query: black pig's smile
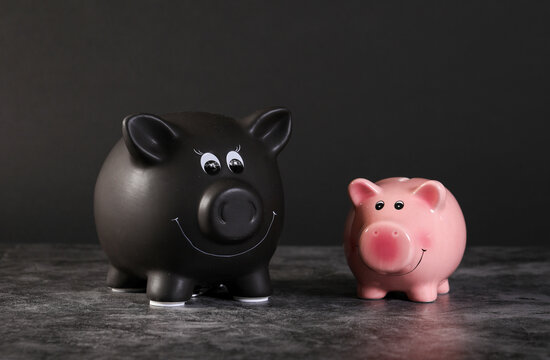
224	255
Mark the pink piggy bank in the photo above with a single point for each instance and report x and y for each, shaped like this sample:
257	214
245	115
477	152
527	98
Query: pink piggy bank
403	235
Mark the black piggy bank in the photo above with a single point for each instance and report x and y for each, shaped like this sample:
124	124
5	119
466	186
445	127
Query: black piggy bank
192	198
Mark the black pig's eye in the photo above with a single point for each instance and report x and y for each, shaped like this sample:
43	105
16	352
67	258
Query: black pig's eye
398	205
236	166
210	164
235	162
212	167
379	205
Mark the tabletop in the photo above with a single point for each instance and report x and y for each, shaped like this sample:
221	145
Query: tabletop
54	304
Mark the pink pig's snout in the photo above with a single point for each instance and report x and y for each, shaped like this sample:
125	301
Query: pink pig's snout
386	248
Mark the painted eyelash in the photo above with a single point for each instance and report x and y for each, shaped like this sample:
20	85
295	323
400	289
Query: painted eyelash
198	152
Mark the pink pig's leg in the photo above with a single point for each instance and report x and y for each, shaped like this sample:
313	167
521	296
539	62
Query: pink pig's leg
370	292
443	287
423	293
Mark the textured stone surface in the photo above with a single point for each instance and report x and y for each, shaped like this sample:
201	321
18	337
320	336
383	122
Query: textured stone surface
53	304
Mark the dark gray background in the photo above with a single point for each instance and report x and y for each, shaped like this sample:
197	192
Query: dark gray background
456	92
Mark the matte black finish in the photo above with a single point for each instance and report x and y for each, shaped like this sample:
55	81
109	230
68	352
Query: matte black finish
167	220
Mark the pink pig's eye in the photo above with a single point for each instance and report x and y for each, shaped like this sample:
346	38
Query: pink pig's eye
398	205
379	205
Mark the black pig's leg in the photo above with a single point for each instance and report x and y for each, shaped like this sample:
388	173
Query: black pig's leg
120	281
253	287
168	289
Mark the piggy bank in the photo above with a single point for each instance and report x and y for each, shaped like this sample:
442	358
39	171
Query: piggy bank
403	235
191	200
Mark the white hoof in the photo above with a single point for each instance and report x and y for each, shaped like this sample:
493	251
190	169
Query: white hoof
166	303
251	299
127	290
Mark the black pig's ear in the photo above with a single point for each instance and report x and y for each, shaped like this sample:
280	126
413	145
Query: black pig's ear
272	126
148	137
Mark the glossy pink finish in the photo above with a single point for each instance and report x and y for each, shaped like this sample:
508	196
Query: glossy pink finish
412	249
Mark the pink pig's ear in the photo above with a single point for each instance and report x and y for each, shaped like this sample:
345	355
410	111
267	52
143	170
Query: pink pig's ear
433	192
362	189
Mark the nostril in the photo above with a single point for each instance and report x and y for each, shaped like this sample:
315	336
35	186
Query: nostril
221	213
254	211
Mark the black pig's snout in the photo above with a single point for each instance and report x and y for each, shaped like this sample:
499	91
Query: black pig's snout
230	212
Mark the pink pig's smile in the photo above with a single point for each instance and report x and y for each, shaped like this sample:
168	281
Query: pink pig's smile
393	274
